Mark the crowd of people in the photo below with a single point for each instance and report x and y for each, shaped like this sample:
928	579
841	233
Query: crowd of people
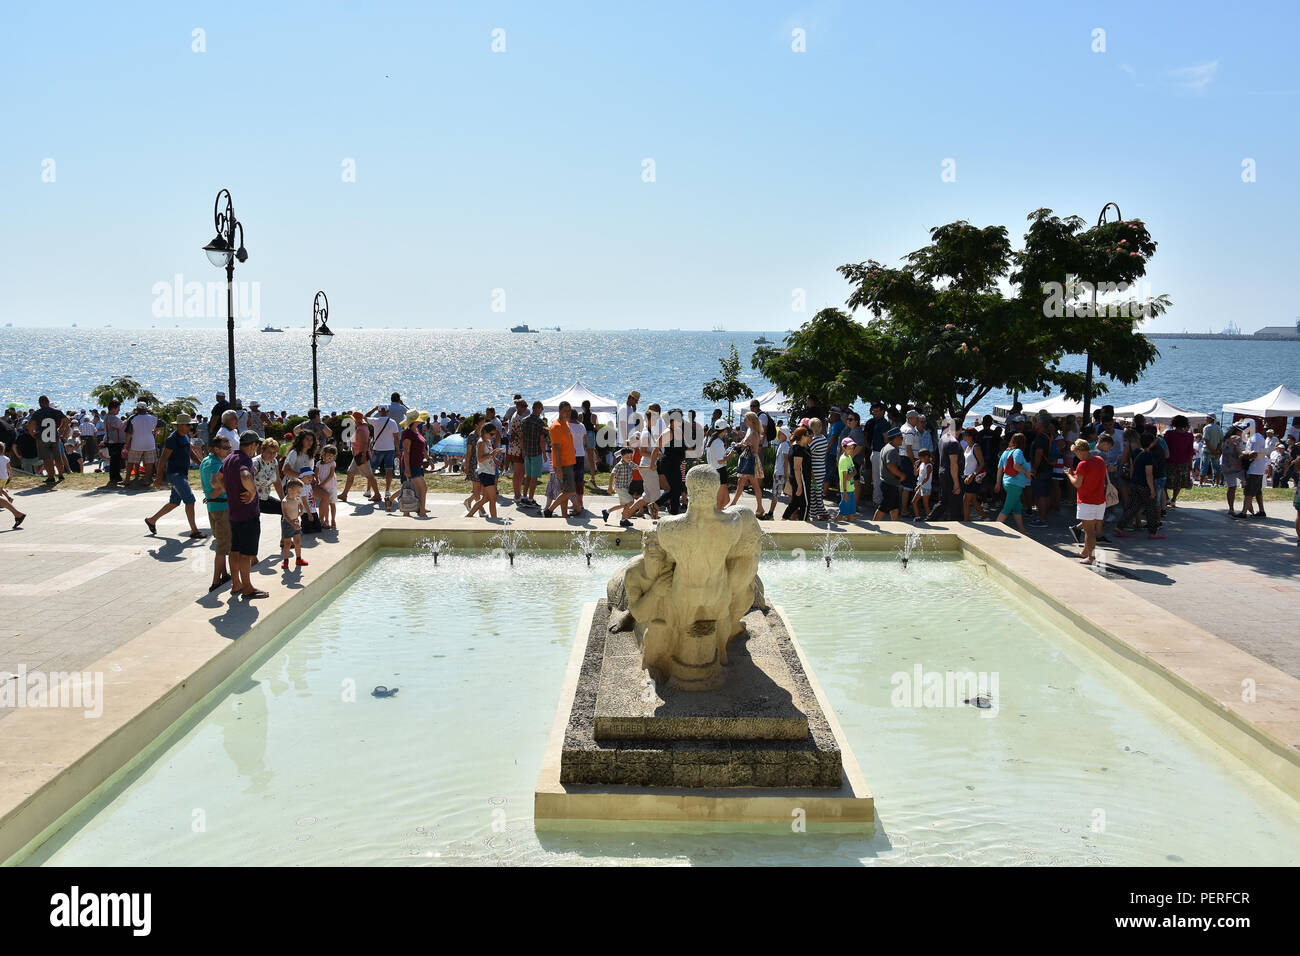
831	467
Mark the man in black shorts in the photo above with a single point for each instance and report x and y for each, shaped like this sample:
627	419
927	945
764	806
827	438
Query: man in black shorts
891	477
245	514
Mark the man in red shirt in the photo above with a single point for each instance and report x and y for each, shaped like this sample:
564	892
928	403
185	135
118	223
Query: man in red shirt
564	460
1089	477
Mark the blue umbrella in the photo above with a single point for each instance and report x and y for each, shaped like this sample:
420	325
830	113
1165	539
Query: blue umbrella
451	445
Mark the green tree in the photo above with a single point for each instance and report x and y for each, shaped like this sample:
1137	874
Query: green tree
1061	272
126	390
729	388
819	361
947	333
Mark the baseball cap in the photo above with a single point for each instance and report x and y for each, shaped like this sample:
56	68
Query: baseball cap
894	433
847	442
249	437
912	413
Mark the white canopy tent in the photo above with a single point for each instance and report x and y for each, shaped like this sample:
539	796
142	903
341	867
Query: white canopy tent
575	395
1057	406
1279	402
774	402
1161	412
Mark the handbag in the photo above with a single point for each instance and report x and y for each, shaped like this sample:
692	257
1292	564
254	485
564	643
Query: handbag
1112	494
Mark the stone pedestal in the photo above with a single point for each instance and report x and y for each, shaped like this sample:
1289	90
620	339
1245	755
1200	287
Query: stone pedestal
760	747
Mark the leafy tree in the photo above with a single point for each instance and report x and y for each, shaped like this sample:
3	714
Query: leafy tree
729	388
1061	271
126	390
820	361
946	332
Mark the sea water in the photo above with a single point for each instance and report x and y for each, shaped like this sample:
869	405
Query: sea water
465	370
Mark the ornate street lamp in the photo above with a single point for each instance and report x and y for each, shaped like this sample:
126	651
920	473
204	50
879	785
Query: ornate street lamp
223	251
1087	374
320	313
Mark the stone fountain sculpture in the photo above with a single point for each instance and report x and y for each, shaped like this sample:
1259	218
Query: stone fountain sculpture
684	678
686	594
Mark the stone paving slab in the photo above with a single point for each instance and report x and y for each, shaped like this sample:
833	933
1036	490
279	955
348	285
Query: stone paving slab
1238	579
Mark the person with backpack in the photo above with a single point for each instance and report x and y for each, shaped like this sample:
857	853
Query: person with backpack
1013	478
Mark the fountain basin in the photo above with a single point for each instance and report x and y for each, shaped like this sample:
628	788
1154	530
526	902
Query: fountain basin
983	814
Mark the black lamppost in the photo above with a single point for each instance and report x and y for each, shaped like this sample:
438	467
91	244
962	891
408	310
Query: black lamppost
222	251
320	312
1087	374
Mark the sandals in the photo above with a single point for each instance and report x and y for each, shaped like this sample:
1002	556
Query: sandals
251	595
224	579
196	535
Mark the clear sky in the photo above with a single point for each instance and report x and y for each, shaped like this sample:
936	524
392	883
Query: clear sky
524	170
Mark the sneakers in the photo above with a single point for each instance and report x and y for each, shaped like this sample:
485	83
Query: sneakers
300	563
622	524
284	565
604	514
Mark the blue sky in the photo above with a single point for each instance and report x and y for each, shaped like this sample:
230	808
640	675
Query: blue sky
522	170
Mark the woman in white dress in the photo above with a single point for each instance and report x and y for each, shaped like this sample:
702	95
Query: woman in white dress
647	439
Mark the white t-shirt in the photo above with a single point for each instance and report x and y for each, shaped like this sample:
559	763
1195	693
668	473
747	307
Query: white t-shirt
911	440
782	457
231	436
142	426
579	439
4	466
627	422
385	432
1260	461
715	452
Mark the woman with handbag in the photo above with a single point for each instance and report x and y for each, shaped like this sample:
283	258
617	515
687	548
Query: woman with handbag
749	471
1093	491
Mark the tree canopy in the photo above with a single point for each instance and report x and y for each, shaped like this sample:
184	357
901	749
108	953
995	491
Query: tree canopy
942	335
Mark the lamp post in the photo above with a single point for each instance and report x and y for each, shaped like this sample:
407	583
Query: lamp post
1087	373
223	251
320	312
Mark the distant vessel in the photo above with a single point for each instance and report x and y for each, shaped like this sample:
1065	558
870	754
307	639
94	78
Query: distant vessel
762	340
523	328
271	328
719	328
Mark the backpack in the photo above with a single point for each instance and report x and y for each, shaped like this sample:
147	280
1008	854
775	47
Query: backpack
407	498
1009	466
771	429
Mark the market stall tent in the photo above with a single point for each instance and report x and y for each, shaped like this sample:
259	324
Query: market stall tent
575	395
1279	403
774	402
1161	412
1058	406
